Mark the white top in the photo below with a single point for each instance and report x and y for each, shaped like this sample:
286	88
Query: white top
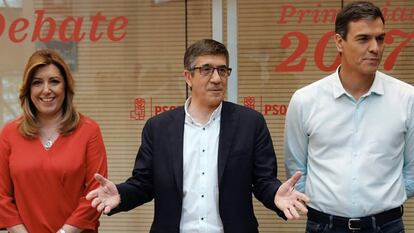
357	157
200	213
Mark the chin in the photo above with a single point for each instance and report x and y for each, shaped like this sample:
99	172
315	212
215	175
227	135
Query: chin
372	66
215	103
48	112
371	71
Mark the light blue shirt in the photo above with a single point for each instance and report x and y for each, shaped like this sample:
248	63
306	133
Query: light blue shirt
200	211
357	156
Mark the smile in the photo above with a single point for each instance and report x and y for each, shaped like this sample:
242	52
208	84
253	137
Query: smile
48	99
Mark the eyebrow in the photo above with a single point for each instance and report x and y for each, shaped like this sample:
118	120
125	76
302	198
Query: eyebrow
368	35
56	76
208	64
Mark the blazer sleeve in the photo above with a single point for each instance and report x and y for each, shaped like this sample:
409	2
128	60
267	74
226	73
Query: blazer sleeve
138	189
265	183
9	215
84	216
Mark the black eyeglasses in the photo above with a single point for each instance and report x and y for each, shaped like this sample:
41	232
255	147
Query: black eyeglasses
207	71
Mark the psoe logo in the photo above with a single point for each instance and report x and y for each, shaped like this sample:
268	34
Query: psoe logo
266	108
139	112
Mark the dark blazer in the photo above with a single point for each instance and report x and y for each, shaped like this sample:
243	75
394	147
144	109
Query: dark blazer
246	165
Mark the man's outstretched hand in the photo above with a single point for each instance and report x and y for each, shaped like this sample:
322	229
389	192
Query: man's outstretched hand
105	197
289	200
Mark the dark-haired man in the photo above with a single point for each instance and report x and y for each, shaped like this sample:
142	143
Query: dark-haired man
352	134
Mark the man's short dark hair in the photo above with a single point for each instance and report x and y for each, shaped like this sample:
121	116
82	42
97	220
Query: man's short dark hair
204	47
356	11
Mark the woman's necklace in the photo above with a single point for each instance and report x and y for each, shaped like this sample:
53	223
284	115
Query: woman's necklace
49	131
48	143
50	140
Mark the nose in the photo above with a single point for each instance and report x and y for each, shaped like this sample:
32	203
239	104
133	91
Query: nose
215	77
46	88
374	46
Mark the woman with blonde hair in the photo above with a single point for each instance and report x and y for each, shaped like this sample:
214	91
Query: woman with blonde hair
49	155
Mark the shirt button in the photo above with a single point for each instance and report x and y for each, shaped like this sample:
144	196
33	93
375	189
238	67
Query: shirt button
202	173
204	128
204	150
202	195
202	219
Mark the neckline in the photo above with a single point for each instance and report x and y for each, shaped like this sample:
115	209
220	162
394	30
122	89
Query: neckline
50	142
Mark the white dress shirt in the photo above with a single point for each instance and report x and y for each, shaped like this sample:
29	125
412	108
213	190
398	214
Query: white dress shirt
200	213
357	156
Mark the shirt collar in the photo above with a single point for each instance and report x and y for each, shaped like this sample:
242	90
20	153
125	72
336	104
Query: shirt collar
377	86
189	119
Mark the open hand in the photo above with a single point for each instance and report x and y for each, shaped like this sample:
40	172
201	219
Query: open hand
106	197
289	200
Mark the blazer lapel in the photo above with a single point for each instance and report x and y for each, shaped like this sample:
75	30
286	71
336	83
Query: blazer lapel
228	124
175	145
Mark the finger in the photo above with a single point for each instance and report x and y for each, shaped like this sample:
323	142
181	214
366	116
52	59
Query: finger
107	209
292	181
92	194
294	212
100	207
95	202
302	197
102	180
287	213
302	208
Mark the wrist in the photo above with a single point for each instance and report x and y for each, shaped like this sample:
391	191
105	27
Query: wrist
61	230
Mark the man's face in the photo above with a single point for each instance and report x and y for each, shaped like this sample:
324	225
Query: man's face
362	50
207	90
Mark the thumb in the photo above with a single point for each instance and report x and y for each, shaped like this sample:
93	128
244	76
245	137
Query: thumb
292	181
102	180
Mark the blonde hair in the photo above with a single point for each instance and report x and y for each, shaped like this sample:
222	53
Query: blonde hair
28	123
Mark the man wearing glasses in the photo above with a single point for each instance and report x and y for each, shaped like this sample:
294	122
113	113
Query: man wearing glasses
202	162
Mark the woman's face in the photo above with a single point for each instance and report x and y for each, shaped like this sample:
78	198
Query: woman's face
47	91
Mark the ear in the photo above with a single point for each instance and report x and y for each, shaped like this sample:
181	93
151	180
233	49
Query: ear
188	77
339	42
